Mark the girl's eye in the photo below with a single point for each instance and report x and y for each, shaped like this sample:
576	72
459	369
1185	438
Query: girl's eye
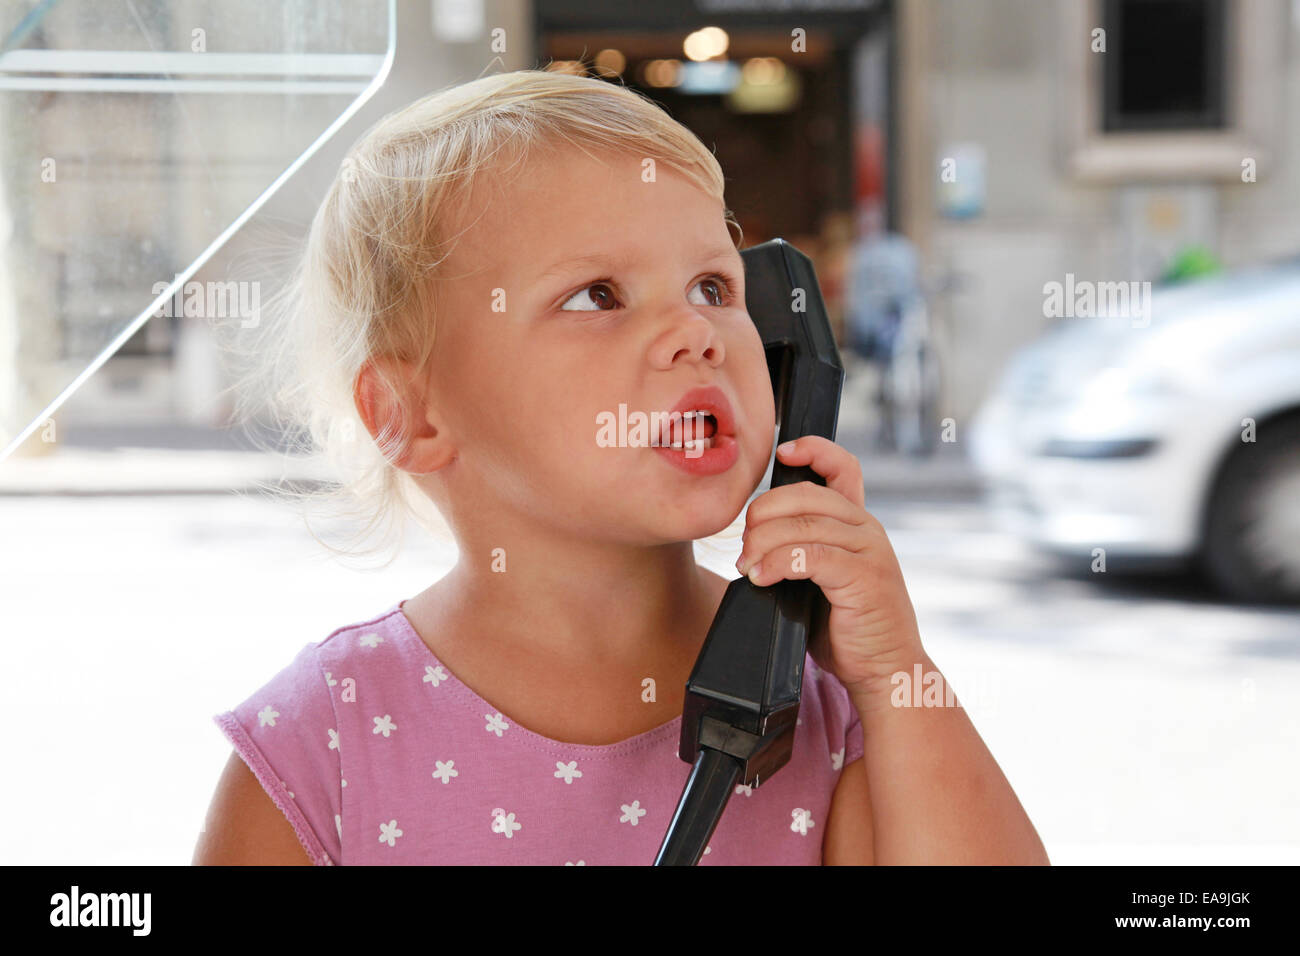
595	302
602	299
721	289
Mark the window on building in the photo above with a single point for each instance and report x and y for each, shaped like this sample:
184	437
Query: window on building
1164	67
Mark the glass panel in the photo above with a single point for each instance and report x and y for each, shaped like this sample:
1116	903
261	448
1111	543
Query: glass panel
135	137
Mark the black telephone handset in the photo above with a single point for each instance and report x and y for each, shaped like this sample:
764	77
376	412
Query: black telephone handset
742	698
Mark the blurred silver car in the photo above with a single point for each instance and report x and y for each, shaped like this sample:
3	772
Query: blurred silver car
1169	436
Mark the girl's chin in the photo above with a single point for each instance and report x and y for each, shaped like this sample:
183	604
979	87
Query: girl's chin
693	524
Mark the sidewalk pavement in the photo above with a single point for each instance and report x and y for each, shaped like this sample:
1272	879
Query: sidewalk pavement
167	458
148	459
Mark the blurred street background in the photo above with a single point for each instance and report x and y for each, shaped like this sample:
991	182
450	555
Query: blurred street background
1058	246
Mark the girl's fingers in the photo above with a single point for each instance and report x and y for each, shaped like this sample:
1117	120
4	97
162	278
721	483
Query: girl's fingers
827	566
804	497
776	536
842	471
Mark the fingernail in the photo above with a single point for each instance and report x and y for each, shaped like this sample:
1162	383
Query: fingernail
753	574
785	447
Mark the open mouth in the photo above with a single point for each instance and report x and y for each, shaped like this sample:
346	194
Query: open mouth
699	434
701	419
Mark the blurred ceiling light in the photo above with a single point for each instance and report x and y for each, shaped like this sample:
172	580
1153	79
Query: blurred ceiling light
766	85
610	62
762	70
706	43
662	72
575	67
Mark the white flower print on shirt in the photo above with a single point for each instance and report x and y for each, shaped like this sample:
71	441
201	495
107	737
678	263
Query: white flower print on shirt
579	863
388	833
568	771
434	675
446	770
334	741
837	758
266	716
329	681
744	788
503	822
371	640
495	723
338	825
384	725
631	814
802	821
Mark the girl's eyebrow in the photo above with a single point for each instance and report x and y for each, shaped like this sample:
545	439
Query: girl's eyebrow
598	258
601	258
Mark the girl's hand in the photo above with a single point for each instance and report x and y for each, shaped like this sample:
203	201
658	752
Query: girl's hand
805	530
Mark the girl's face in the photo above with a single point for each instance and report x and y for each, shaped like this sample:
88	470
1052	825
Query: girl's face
580	288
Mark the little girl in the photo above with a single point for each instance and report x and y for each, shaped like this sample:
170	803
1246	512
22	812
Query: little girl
496	268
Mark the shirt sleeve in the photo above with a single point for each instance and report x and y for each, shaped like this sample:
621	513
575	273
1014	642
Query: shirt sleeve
843	725
287	734
853	739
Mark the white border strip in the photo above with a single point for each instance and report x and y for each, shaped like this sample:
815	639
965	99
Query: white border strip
92	85
145	62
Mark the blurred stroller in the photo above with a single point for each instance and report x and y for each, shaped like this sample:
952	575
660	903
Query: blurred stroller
888	324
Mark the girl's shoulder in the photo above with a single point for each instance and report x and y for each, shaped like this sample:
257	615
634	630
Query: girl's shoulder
291	731
357	643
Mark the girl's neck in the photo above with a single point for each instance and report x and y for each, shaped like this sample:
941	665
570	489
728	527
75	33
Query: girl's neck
665	608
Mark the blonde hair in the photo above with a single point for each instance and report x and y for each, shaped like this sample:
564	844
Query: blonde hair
364	283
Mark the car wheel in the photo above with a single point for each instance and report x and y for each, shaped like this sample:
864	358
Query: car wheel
1251	545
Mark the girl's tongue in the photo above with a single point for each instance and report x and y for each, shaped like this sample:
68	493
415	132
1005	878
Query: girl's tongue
697	426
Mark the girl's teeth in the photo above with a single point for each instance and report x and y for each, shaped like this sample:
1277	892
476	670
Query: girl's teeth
682	429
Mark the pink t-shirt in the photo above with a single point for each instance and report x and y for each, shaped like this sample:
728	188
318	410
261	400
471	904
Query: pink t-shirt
377	753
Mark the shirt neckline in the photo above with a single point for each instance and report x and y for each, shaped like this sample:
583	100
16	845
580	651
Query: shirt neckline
637	741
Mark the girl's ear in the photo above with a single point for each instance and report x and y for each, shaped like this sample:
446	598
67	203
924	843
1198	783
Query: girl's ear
393	409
